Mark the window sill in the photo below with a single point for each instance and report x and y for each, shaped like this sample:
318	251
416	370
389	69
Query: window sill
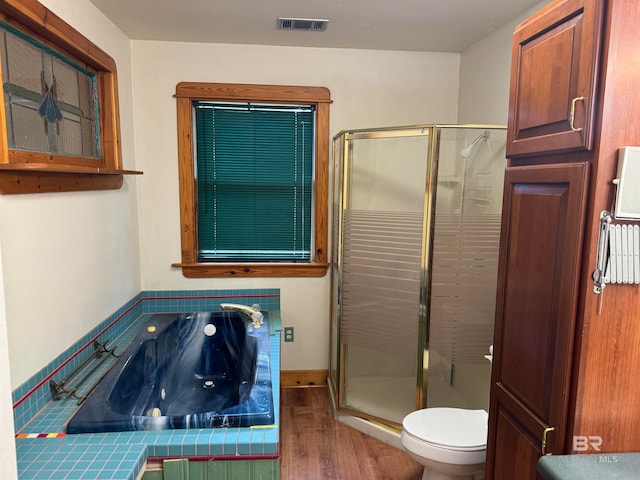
209	270
42	178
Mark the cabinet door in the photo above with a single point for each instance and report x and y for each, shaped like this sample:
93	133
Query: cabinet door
553	79
540	249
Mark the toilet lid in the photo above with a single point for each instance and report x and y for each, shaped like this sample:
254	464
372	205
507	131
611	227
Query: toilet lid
455	428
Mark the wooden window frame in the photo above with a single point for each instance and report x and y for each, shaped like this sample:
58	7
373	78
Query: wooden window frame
186	94
23	171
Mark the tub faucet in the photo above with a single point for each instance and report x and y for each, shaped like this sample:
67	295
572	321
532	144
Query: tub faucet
254	313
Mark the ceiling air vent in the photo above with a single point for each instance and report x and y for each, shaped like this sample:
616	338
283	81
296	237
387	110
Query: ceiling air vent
309	24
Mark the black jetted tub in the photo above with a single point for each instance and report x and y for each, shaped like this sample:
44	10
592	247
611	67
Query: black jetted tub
188	370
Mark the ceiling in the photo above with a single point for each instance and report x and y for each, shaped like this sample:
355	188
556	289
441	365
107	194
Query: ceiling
412	25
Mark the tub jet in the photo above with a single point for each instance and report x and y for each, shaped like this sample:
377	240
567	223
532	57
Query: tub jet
210	329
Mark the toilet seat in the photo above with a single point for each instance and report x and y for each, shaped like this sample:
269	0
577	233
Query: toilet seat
448	435
452	428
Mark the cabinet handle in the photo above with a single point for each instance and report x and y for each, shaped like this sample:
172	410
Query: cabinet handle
543	448
572	113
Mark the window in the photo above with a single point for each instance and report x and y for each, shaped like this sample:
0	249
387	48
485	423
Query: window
59	117
253	164
50	101
254	172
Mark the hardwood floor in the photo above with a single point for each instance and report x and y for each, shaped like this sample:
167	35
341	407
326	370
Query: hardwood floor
317	447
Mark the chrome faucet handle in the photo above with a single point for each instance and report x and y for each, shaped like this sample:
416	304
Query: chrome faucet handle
256	315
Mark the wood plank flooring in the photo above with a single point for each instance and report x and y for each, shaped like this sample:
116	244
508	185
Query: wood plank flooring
314	446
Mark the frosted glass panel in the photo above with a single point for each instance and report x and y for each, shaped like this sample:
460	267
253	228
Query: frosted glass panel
466	238
381	279
463	286
381	272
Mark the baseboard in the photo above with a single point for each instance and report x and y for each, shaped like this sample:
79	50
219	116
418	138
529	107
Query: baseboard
303	378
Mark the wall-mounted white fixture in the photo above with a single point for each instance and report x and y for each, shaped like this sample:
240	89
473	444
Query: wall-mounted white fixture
627	181
618	258
624	254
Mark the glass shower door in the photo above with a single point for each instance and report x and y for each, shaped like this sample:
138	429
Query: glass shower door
464	265
384	179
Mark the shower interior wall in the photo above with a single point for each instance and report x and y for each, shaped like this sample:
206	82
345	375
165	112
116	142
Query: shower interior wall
415	228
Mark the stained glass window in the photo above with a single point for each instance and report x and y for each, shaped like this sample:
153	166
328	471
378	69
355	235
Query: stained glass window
51	102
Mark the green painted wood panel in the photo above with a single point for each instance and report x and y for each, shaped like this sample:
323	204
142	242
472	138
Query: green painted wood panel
176	469
266	470
182	469
153	475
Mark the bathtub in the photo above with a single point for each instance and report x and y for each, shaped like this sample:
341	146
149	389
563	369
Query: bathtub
188	370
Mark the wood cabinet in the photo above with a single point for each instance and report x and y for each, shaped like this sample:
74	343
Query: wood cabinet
565	359
540	252
554	77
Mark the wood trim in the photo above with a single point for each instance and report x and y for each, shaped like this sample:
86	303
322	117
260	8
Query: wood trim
56	173
321	186
110	119
4	141
50	27
18	159
44	168
303	378
207	270
186	93
249	92
15	182
186	183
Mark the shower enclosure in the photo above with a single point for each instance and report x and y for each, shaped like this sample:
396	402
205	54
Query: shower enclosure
416	226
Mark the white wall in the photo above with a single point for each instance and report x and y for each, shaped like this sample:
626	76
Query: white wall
8	465
485	70
70	259
368	88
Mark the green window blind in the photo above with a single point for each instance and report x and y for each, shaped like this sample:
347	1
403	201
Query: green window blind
254	175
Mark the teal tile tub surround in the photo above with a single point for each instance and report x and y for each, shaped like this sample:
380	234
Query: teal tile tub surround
60	459
35	412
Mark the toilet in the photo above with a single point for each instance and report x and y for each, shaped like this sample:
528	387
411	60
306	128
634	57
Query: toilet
451	443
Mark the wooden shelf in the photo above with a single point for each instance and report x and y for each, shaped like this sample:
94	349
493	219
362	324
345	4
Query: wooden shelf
43	167
43	178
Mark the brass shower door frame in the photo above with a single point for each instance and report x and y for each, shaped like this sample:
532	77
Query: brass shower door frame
347	138
433	132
